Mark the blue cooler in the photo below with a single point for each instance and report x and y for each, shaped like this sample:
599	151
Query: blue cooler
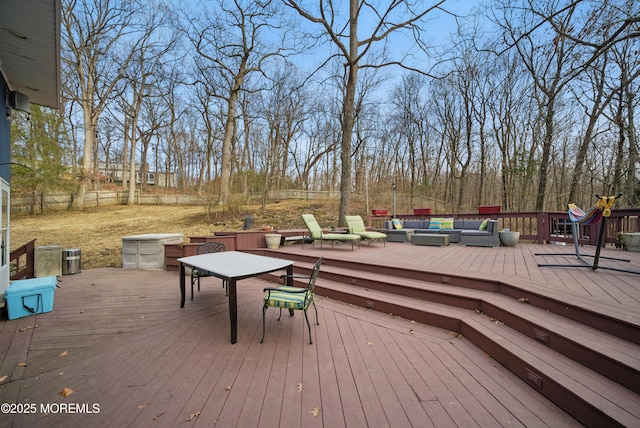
30	296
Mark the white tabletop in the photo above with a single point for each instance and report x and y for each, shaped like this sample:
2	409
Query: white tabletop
235	264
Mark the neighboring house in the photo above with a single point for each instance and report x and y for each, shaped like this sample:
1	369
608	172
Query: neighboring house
29	73
112	172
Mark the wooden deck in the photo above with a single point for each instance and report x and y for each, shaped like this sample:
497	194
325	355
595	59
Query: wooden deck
132	357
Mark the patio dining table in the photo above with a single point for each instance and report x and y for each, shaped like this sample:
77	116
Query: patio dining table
231	266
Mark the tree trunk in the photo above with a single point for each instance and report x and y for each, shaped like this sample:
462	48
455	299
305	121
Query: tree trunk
347	115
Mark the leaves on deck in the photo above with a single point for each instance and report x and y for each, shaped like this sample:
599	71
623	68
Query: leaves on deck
22	364
300	387
64	354
315	411
3	378
370	343
66	392
29	327
191	417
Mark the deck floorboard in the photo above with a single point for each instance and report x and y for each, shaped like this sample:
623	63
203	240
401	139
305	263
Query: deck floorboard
119	339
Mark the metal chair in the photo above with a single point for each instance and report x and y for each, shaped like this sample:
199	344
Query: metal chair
206	248
292	298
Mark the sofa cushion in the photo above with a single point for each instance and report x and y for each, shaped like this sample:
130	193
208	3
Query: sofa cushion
474	232
447	224
396	224
472	224
435	223
413	224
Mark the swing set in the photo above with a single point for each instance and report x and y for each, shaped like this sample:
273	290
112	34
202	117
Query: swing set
599	213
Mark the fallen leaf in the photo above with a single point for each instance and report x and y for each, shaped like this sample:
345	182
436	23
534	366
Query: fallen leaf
142	297
3	378
64	354
315	411
228	388
195	415
523	300
23	365
411	331
25	328
142	317
413	322
370	343
300	387
66	392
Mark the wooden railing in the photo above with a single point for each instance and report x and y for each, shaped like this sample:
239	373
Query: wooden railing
546	226
22	261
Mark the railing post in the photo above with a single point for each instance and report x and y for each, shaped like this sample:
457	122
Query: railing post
542	219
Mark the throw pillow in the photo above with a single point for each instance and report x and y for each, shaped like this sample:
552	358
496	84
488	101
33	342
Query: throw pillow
435	223
483	225
447	224
396	224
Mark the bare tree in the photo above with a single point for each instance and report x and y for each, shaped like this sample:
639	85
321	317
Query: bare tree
92	31
343	34
410	122
231	41
551	64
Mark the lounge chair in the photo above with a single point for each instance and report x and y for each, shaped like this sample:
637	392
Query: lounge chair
316	233
355	225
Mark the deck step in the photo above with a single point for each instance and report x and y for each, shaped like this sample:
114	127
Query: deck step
545	349
598	400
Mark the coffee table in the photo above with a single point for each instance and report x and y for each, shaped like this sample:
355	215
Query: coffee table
430	239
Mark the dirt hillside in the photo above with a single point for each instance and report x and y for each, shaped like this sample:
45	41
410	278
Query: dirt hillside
98	232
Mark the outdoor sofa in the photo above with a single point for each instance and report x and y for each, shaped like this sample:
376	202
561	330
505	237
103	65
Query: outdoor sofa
462	231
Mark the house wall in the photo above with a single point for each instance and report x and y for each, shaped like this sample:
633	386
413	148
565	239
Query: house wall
5	127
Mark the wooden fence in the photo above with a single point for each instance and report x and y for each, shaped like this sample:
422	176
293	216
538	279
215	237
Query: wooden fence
63	201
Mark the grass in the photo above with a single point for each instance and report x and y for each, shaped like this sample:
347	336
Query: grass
98	232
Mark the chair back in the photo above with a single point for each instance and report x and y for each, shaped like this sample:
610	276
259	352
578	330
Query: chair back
210	247
355	224
312	282
312	224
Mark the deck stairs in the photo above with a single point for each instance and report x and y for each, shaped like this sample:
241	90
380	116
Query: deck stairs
578	356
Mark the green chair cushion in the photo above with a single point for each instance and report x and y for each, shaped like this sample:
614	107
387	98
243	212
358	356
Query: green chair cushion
372	235
355	224
340	237
280	299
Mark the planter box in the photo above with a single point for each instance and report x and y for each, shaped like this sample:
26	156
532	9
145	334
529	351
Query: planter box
422	211
380	212
489	209
632	241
